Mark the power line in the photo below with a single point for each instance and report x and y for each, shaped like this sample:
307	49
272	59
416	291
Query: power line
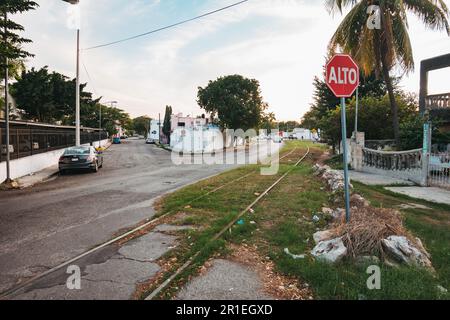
167	27
89	77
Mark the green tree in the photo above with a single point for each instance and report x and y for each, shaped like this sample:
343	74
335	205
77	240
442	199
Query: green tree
381	50
166	129
325	101
48	97
235	100
11	42
374	113
288	125
141	125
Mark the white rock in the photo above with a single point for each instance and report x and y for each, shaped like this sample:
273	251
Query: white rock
442	289
330	251
327	211
401	249
316	218
322	235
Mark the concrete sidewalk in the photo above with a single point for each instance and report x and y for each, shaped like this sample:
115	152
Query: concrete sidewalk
372	179
43	175
38	177
436	195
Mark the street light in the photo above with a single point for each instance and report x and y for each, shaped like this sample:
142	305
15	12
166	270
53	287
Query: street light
100	120
77	99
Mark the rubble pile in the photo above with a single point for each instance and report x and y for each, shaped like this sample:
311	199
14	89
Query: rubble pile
372	234
333	178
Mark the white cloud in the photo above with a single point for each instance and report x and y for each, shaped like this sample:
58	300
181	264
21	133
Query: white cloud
282	43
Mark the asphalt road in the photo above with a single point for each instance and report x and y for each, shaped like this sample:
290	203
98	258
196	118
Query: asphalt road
50	223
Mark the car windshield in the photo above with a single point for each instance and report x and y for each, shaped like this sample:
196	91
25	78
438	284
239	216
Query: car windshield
77	151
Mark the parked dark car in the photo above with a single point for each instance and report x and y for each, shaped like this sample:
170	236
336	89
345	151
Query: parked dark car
77	158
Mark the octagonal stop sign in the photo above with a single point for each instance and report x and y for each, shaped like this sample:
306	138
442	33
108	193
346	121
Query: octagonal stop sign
342	75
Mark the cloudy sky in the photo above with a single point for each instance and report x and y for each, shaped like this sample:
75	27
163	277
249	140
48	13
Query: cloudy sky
282	43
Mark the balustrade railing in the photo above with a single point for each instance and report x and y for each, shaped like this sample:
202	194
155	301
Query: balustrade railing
390	160
437	101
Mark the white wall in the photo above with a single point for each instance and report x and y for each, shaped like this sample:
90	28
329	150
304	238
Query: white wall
25	166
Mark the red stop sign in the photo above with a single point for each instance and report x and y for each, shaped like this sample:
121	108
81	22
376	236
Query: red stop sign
342	75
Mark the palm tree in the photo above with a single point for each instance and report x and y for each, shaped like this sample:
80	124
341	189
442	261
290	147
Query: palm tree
381	50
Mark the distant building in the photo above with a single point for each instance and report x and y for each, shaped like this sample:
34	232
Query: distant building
305	134
179	121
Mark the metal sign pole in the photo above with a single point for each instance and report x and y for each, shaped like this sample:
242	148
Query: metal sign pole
356	111
344	144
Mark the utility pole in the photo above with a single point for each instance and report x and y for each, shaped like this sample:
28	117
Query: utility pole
8	156
100	128
77	102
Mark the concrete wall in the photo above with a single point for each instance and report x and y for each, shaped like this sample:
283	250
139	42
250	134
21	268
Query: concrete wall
25	166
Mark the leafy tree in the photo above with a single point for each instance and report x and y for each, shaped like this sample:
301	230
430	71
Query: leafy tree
288	125
268	122
10	41
166	129
235	100
48	97
325	101
380	51
373	113
141	125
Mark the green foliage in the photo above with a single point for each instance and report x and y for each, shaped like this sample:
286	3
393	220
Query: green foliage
140	125
11	42
287	126
166	129
235	100
380	51
50	97
374	117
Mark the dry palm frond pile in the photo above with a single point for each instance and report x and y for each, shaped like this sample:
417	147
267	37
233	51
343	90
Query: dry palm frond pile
367	228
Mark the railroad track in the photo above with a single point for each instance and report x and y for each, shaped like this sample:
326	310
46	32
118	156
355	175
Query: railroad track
160	288
26	284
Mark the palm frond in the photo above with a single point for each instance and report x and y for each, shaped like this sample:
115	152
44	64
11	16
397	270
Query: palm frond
433	13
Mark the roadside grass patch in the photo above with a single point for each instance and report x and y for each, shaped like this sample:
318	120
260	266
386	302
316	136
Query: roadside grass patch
283	219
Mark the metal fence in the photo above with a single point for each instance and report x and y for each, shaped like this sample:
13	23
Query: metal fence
439	170
26	142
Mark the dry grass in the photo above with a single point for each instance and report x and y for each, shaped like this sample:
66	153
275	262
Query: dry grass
368	227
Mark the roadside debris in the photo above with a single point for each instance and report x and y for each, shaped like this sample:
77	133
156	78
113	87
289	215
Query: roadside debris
330	251
373	234
402	250
294	256
333	178
322	235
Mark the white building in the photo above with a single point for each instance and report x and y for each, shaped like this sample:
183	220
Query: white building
305	134
179	121
154	132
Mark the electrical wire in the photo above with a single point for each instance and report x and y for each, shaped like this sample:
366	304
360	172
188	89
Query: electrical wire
166	27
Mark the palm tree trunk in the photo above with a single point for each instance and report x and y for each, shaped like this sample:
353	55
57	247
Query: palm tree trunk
394	107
